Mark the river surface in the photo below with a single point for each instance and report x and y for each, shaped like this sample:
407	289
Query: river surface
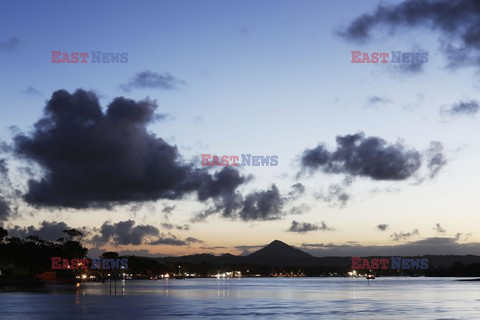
250	298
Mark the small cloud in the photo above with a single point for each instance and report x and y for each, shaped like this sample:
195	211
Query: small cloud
304	227
404	235
337	193
152	80
408	68
198	119
298	189
9	44
377	101
190	240
31	91
463	108
170	226
463	236
438	229
436	158
382	227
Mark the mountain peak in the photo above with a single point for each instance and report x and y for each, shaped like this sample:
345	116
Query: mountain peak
279	249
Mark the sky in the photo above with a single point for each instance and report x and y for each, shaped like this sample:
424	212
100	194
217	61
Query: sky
372	158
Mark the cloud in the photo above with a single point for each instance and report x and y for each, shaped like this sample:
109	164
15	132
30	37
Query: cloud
170	226
377	100
9	44
457	21
438	229
8	193
152	80
47	231
256	205
262	205
298	209
462	108
304	227
466	236
213	248
98	159
168	209
31	91
408	68
5	210
404	235
337	193
298	190
193	240
382	227
435	158
434	246
169	241
357	155
222	188
127	233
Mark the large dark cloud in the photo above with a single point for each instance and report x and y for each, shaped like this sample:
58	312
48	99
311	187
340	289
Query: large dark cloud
128	233
458	22
262	205
95	158
152	80
257	205
125	232
47	231
222	189
372	157
466	108
304	227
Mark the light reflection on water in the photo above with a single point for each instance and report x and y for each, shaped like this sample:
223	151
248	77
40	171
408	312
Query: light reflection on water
245	298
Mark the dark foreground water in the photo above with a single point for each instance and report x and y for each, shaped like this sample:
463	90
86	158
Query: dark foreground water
247	298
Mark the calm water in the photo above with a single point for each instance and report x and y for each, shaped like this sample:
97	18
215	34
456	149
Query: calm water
268	298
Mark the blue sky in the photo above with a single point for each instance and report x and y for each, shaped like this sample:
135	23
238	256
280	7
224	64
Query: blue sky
270	77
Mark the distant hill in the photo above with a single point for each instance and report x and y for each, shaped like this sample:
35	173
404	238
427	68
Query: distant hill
278	253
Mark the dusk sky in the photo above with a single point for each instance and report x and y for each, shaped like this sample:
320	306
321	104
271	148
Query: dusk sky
372	158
